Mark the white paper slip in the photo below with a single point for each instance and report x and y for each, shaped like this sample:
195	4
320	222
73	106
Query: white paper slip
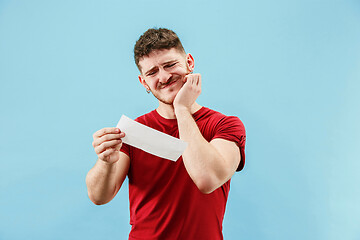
151	140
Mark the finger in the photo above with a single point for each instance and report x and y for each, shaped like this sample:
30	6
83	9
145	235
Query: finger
100	150
104	131
196	79
199	80
190	79
110	144
107	137
106	153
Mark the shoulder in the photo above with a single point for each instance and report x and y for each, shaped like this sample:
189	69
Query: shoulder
216	118
230	128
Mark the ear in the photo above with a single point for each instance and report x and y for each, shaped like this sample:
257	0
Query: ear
190	62
142	81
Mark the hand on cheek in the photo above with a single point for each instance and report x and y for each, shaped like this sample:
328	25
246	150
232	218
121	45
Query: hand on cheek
190	91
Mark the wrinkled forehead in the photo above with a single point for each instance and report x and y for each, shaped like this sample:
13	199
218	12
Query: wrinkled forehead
160	56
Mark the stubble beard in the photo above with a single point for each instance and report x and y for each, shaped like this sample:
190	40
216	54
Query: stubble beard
162	99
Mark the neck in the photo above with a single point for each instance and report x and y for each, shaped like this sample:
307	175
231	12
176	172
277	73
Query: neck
167	111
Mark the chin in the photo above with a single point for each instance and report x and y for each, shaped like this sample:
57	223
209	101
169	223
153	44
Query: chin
169	100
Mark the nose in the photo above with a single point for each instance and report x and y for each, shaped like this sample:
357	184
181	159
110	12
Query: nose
164	76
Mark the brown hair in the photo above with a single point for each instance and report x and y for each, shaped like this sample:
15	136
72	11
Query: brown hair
156	39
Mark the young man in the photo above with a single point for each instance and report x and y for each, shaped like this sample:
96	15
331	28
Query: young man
185	199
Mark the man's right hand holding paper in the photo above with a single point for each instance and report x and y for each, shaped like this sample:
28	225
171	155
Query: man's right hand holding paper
107	143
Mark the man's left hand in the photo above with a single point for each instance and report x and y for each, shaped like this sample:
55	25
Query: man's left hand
189	92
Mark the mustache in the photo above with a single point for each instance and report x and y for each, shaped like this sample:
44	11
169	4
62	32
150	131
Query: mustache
169	81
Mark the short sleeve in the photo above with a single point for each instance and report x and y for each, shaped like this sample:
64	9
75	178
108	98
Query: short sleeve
232	129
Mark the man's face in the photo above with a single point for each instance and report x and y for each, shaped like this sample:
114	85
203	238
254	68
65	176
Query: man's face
163	73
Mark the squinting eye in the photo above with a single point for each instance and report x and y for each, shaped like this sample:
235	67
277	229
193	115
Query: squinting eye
151	73
170	65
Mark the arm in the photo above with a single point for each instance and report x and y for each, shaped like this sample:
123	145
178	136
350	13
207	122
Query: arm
209	164
106	177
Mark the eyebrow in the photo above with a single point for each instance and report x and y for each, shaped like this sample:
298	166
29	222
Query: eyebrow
162	64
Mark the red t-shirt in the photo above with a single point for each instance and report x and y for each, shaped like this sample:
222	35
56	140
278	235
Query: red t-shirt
164	201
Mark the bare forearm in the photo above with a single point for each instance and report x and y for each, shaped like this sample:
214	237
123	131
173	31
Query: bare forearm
202	160
101	182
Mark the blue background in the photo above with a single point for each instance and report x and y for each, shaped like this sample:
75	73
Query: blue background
289	70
